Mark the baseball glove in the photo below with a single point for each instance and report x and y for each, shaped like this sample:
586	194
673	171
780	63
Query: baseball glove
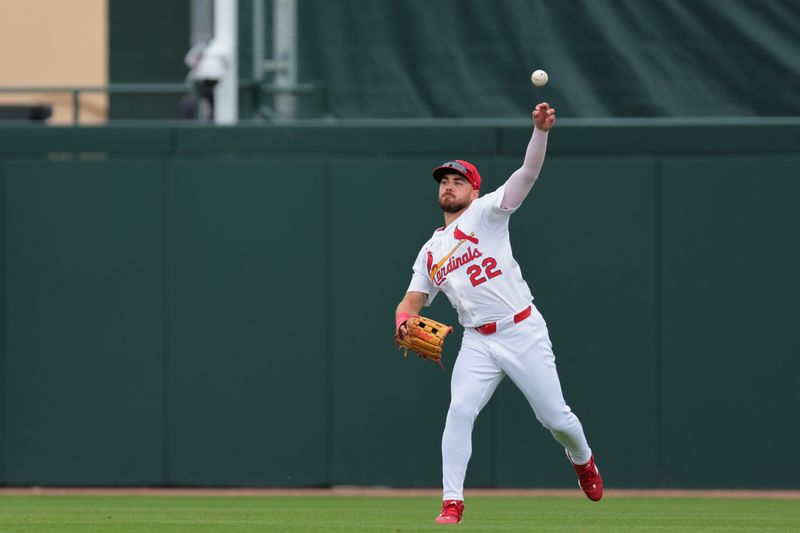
425	337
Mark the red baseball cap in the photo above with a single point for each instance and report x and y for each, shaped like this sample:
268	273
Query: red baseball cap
459	166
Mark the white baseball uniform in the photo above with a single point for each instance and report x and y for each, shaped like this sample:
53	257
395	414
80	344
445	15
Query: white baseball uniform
470	261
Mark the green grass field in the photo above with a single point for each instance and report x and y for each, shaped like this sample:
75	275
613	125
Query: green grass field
350	514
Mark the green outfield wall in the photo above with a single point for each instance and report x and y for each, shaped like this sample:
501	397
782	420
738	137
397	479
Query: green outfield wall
193	305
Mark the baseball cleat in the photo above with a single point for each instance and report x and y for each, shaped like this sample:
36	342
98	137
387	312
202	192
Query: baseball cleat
589	479
451	512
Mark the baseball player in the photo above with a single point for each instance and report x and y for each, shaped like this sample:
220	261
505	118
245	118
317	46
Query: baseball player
470	260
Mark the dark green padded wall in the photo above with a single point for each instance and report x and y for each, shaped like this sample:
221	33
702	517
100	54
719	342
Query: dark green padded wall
180	301
730	290
247	361
84	327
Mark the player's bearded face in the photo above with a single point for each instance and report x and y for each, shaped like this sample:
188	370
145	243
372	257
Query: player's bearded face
454	194
450	204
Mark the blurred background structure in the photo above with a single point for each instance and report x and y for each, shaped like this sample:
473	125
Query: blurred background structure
386	59
179	289
53	44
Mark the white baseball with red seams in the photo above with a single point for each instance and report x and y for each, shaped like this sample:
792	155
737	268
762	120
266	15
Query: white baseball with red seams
539	78
471	262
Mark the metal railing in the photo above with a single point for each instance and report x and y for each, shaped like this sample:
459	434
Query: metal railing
112	88
256	89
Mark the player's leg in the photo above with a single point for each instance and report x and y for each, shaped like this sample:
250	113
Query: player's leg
526	355
475	378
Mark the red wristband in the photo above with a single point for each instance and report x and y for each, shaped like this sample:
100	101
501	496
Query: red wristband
399	319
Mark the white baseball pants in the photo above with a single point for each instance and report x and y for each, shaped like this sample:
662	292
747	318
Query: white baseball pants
523	352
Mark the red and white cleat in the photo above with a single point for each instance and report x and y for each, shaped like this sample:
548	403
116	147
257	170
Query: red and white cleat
589	479
451	512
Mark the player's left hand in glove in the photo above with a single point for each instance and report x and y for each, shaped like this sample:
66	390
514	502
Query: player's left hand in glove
423	336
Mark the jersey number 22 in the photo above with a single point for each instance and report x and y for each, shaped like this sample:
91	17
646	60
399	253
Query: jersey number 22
489	268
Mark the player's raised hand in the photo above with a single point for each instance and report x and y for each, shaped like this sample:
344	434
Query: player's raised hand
544	116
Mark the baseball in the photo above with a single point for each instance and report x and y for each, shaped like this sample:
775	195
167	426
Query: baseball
539	78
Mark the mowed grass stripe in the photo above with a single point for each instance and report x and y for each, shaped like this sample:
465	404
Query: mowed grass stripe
352	514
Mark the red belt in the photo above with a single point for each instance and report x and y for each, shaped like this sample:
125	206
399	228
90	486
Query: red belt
491	327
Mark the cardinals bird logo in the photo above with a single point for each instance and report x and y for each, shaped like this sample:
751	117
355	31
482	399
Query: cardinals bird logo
461	237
